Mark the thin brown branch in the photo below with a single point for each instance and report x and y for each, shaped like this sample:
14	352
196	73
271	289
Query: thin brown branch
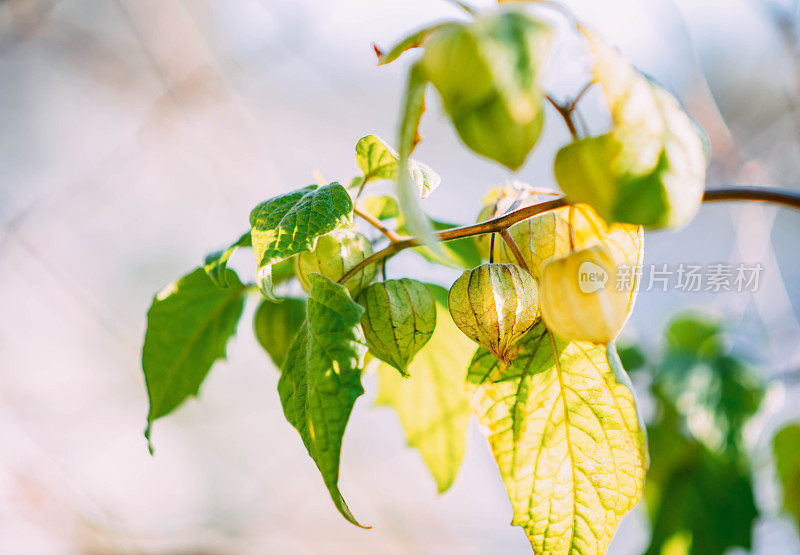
514	248
582	92
490	226
566	114
376	223
496	225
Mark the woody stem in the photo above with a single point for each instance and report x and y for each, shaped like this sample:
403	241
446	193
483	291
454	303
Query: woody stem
498	225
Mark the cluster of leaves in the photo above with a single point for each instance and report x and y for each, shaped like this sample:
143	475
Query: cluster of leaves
545	384
699	489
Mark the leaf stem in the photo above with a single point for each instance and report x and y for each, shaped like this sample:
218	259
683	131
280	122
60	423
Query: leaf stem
565	111
743	193
582	92
375	222
514	248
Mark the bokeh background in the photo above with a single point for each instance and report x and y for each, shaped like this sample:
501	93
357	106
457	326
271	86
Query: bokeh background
135	136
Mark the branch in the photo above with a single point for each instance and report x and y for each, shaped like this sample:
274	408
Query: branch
489	226
514	248
501	223
374	222
565	111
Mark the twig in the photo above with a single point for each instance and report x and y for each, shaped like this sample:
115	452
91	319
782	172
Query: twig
489	226
583	91
495	225
514	248
566	114
374	222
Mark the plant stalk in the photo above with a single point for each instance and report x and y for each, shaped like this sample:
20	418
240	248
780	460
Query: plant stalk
501	223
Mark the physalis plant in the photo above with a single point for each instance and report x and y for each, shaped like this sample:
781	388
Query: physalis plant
524	339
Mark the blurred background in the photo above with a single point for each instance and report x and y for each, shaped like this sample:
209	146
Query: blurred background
137	135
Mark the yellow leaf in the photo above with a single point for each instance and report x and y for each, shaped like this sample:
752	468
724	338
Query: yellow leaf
562	425
432	402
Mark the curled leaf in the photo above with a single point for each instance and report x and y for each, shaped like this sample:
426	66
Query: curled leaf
379	161
216	263
415	219
486	72
414	40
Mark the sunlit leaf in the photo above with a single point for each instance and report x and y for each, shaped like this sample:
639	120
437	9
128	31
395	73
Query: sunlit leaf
650	169
188	327
786	447
379	161
321	378
285	225
415	219
566	437
431	403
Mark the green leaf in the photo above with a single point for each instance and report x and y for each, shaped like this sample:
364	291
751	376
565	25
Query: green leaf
277	324
432	402
414	40
716	392
413	105
216	263
698	501
695	335
565	434
321	378
383	207
290	223
188	327
786	447
650	169
379	161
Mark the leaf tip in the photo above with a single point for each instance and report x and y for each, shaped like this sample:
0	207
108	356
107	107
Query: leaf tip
150	448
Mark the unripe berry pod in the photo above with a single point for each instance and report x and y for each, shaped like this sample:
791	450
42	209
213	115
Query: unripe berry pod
548	234
486	72
333	255
495	305
399	319
580	299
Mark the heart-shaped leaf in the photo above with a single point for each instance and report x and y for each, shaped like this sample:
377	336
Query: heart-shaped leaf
290	223
188	327
562	425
